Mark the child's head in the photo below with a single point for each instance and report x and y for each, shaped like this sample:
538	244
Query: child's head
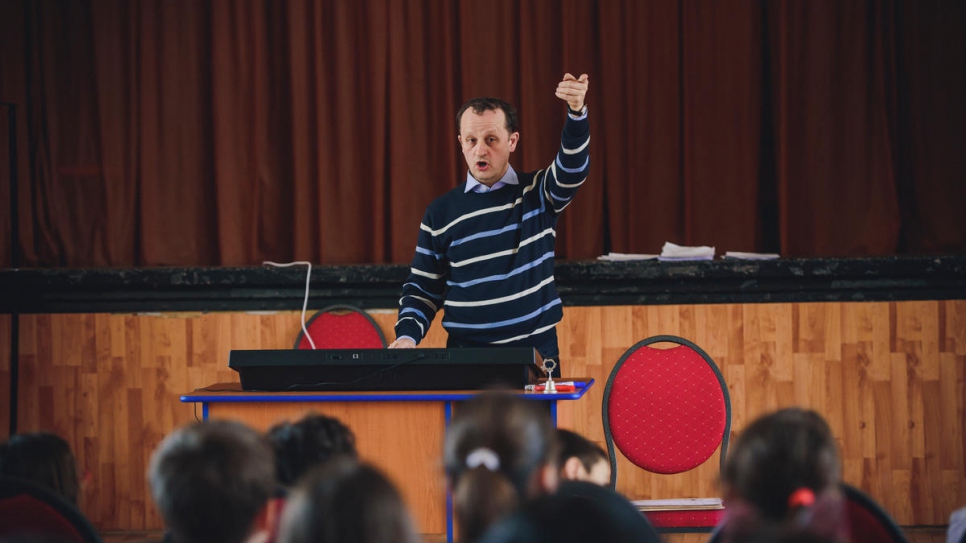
212	482
313	440
785	468
44	459
500	449
344	500
581	459
577	513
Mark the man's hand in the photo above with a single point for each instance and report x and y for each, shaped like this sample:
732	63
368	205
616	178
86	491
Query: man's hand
573	90
403	343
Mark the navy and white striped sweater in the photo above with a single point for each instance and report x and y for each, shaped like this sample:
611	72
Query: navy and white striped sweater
487	258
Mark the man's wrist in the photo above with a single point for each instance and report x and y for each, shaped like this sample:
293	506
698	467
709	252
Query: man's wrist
577	113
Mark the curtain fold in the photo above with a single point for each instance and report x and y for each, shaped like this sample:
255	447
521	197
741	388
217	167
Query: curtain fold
220	132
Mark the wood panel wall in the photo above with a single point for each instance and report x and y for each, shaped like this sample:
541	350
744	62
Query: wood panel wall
889	377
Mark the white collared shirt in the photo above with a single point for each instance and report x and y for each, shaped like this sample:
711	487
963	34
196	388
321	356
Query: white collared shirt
509	178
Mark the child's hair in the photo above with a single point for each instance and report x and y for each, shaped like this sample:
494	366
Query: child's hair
44	459
785	470
344	501
578	512
574	445
300	446
210	480
497	451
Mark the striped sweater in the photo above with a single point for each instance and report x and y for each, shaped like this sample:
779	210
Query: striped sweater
487	258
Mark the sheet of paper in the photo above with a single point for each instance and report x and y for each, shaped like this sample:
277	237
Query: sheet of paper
625	257
751	256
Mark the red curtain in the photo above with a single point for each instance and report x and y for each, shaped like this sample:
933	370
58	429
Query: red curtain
227	132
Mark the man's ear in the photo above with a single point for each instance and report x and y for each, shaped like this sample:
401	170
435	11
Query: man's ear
514	138
572	468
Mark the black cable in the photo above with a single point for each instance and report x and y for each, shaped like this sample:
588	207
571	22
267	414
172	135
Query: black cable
14	369
14	262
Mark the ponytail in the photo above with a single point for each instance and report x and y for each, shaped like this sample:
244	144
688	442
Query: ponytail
800	504
480	497
497	447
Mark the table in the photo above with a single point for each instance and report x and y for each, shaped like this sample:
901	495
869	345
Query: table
400	432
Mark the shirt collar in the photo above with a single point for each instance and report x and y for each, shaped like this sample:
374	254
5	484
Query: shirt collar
509	178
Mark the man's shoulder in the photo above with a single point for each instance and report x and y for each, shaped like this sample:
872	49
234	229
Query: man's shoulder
448	197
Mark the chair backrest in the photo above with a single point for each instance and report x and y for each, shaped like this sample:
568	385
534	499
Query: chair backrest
342	327
868	521
666	410
27	509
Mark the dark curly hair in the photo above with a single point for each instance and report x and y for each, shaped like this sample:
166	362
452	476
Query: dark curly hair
313	440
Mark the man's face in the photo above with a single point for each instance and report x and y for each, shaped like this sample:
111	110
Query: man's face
486	144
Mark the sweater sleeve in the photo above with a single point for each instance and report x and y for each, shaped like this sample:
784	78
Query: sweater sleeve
424	290
569	169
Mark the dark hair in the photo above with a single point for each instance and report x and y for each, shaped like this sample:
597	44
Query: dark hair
344	501
579	512
311	441
495	445
574	445
781	453
210	480
482	104
44	459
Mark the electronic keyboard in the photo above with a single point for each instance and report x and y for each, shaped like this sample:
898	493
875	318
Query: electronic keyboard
470	368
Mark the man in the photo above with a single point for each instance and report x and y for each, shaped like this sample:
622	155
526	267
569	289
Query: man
485	249
213	483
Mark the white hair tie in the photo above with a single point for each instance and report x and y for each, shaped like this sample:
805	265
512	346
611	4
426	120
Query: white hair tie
483	457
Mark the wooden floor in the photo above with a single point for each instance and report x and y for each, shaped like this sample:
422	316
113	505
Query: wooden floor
916	535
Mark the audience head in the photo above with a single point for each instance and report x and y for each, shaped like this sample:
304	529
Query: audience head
43	459
581	459
344	501
300	446
784	470
500	449
577	513
212	482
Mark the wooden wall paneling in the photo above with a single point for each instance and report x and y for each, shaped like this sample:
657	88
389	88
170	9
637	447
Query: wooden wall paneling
889	377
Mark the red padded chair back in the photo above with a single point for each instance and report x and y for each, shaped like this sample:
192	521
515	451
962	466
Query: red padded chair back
868	521
666	410
342	327
27	509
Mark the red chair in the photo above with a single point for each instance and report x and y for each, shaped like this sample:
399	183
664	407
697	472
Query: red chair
667	411
868	521
342	327
27	509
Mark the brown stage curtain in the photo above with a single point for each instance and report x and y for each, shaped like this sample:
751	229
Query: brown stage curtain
228	132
